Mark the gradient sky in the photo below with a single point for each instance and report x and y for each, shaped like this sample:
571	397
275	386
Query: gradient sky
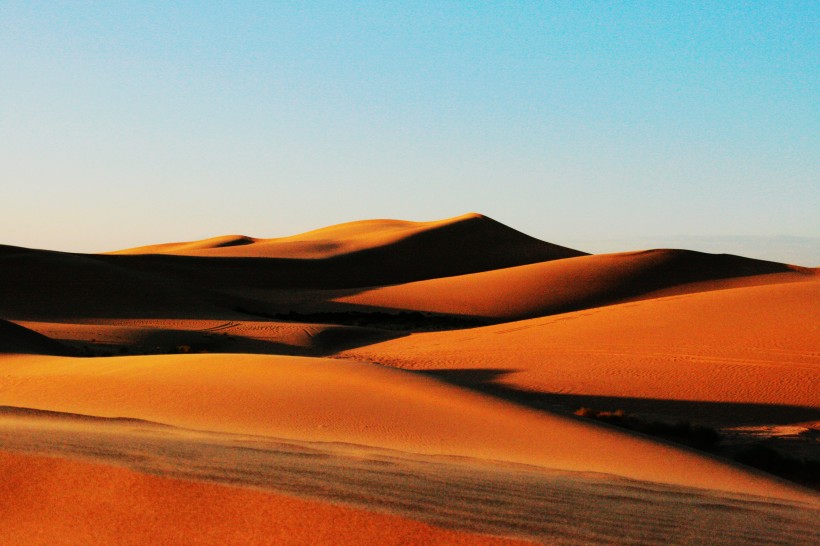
128	123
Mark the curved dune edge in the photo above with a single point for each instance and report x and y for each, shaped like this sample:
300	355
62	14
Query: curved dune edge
743	345
331	400
69	502
19	339
576	283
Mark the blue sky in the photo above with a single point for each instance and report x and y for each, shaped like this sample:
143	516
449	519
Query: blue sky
126	123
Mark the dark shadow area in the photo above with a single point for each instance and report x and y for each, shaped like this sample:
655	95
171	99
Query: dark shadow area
20	340
404	321
694	424
720	414
158	342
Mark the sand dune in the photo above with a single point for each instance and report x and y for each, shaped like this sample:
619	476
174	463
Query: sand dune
330	400
473	235
577	283
464	494
751	349
45	285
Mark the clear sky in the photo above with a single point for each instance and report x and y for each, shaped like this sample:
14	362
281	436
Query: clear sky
127	123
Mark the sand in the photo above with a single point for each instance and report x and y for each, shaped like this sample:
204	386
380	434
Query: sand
474	232
559	286
69	502
462	494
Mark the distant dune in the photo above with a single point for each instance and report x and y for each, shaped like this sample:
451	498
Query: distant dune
477	239
467	266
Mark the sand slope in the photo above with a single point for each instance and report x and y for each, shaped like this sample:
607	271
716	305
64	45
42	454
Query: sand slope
49	501
469	495
331	400
577	283
473	235
18	339
741	352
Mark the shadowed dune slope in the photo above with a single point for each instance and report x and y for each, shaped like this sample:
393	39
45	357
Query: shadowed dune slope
750	345
154	336
342	401
17	339
64	502
577	283
40	284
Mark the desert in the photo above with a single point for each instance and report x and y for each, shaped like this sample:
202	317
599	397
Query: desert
409	273
498	394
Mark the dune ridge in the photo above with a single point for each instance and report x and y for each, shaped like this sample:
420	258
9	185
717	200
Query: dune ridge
473	232
559	286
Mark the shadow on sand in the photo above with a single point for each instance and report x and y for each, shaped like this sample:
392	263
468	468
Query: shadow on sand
717	414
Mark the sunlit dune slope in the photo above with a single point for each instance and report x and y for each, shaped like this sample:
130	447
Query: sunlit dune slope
332	400
740	346
577	283
63	502
17	339
477	239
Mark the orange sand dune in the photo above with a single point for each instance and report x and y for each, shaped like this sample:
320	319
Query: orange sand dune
577	283
331	400
740	346
50	501
470	234
473	496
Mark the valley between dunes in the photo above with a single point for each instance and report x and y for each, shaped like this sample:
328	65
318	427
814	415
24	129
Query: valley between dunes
393	382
